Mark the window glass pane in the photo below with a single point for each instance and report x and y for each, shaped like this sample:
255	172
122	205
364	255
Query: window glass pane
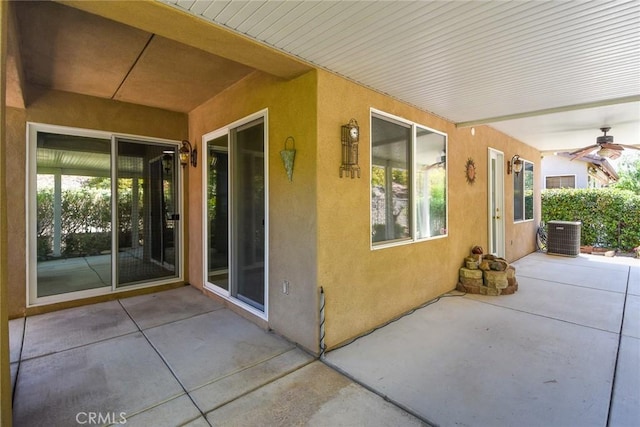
523	193
73	198
390	184
528	190
518	207
147	212
218	212
431	184
565	181
248	207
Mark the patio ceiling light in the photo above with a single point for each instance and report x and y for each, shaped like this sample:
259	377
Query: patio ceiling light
514	165
188	154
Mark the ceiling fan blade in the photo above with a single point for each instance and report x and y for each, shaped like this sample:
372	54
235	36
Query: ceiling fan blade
583	151
634	147
611	146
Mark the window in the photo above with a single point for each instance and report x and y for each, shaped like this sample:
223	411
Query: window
408	181
523	193
563	181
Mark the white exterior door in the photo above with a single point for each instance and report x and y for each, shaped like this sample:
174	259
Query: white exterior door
496	203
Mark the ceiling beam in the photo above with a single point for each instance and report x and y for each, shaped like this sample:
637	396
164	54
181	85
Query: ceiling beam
623	100
174	24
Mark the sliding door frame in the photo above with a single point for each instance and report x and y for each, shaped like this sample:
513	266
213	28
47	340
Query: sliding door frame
227	294
31	283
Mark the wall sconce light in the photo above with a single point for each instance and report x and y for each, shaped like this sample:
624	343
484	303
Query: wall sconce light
188	154
350	137
515	165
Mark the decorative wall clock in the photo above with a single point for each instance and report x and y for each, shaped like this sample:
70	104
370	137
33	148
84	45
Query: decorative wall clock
470	171
350	139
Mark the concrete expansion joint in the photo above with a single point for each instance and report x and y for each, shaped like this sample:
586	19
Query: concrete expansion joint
617	359
257	387
40	356
542	315
567	283
380	394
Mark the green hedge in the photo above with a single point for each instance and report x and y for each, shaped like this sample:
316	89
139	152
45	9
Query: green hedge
610	218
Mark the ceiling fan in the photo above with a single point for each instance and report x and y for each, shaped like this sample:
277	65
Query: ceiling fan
605	146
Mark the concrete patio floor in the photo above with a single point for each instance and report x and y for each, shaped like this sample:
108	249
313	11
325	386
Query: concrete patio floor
175	358
563	351
559	352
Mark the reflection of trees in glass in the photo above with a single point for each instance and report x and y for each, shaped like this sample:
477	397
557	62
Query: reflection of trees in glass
377	176
437	201
86	215
211	193
397	213
45	220
86	210
125	211
528	190
523	193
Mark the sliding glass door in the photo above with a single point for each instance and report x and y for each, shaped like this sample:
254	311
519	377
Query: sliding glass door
103	213
73	228
146	237
236	213
248	214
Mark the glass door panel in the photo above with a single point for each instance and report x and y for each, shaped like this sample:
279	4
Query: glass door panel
147	212
73	204
248	227
218	212
496	203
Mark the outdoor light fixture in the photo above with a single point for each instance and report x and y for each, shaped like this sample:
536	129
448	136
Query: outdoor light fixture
515	165
188	153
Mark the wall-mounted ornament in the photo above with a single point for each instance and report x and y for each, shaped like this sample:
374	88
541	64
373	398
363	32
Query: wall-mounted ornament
470	171
349	138
288	155
188	154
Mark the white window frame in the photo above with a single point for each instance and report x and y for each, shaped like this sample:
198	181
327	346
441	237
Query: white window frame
575	180
413	238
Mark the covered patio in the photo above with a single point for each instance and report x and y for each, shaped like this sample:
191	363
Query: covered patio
563	350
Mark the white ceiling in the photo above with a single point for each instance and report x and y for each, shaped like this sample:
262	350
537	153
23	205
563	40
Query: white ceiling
549	73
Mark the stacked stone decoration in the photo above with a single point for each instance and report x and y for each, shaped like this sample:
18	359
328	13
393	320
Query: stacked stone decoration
487	275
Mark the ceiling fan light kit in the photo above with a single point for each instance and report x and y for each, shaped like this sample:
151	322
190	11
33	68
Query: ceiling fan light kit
605	146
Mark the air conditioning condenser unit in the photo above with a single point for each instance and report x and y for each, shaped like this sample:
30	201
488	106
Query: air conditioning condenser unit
563	238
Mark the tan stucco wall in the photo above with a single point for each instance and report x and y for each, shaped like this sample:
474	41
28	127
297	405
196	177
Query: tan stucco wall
5	376
365	287
292	205
66	109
